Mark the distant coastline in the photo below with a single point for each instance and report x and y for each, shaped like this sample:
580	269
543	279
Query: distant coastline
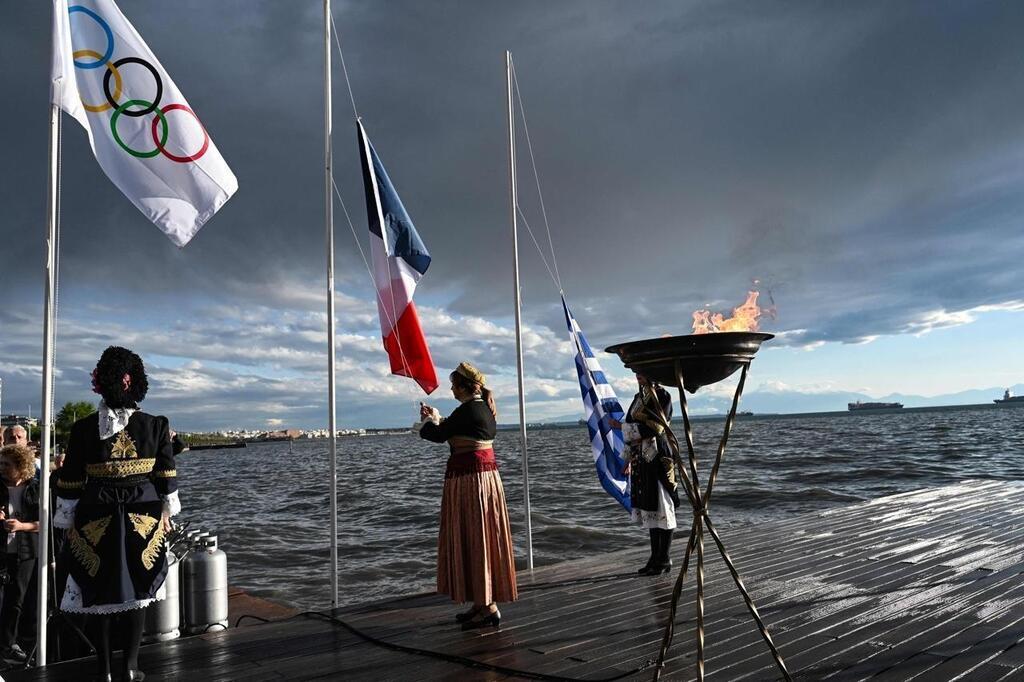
798	415
208	439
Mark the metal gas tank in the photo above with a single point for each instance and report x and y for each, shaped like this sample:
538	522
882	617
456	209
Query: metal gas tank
163	618
204	574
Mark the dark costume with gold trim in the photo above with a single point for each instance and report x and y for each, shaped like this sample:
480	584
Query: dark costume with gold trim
652	452
115	550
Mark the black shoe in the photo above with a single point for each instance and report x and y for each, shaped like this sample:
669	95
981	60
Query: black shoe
101	677
655	551
659	568
134	676
466	616
492	619
662	562
14	654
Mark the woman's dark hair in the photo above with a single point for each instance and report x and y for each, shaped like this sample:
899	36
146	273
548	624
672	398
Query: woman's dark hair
110	370
473	388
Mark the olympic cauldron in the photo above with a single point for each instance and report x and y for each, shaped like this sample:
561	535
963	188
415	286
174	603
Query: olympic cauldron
688	363
701	359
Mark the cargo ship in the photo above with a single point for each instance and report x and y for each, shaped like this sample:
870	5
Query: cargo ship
1009	397
853	407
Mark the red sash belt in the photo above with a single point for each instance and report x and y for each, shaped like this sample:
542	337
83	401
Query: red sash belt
470	462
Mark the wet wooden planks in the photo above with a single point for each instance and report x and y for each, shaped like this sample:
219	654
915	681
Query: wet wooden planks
922	586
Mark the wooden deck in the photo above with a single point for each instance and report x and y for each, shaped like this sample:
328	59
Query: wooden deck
925	585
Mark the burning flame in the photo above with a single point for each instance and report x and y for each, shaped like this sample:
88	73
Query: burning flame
744	318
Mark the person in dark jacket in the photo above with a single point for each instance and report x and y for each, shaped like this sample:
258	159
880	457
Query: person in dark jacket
19	514
653	453
116	493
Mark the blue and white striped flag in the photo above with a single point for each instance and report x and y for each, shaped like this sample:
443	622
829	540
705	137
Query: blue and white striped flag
600	404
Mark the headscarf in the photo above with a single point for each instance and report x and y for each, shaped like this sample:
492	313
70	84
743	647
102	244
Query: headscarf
471	373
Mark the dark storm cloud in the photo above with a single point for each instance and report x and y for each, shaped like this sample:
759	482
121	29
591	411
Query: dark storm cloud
861	159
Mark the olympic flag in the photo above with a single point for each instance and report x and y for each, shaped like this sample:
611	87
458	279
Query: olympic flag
144	135
399	261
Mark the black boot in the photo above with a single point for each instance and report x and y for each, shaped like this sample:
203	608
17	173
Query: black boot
666	545
646	570
133	623
662	562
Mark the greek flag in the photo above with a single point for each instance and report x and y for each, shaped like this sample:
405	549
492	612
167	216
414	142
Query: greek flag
600	404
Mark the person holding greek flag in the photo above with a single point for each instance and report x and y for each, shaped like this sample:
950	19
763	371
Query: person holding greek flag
653	455
145	136
635	452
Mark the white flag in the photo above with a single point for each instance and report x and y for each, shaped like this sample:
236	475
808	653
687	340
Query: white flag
146	138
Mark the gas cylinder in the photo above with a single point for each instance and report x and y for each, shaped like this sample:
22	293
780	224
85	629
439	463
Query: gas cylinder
204	574
163	617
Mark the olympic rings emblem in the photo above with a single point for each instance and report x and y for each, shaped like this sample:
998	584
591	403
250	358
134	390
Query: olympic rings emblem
122	108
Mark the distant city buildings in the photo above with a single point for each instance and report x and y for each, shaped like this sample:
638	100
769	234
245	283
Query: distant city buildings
282	434
18	420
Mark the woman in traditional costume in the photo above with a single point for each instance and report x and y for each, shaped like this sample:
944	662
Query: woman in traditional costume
116	494
19	523
474	548
652	452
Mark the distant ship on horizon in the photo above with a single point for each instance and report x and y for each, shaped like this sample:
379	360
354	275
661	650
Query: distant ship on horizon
853	407
1009	397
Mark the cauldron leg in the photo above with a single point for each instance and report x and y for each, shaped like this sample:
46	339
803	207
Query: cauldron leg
729	421
697	535
701	520
746	598
670	626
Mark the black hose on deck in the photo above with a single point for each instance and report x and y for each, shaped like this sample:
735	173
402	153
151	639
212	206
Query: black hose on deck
463	660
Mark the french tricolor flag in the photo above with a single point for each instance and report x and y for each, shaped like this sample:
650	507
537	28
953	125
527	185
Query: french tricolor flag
399	260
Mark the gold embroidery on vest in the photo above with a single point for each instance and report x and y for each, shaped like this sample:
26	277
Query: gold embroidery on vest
152	551
85	555
143	524
124	447
120	468
94	530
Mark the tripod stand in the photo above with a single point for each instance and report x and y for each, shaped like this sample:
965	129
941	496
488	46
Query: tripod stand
701	522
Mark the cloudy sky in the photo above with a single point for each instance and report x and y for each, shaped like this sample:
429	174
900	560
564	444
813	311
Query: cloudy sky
864	161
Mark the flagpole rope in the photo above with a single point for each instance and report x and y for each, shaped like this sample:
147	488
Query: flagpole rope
554	280
536	176
344	69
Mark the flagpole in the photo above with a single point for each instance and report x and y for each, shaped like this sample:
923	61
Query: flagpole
43	565
519	325
329	224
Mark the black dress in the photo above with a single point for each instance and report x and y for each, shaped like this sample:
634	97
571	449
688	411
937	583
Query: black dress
115	550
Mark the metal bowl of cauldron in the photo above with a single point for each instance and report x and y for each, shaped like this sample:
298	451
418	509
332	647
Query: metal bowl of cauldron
703	358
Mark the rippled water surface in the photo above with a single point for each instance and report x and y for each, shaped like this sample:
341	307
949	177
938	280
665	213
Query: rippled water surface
269	503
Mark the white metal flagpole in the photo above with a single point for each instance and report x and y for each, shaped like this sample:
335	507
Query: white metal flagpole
43	565
519	325
329	221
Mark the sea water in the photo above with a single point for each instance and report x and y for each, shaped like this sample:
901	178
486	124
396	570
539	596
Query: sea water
269	503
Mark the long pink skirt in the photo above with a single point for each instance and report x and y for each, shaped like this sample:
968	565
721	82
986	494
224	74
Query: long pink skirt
474	547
